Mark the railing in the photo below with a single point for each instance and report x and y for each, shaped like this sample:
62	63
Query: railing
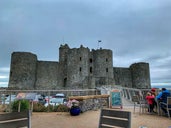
126	93
67	93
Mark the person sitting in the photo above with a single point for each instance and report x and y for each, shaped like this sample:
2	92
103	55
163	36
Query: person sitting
162	97
150	101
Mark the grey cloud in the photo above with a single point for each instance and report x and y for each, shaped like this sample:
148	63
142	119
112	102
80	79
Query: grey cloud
133	30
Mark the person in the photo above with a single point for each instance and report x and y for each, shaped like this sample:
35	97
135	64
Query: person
162	97
153	92
150	101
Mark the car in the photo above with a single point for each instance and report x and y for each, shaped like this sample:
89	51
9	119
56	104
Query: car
47	98
56	100
2	98
41	99
8	100
60	95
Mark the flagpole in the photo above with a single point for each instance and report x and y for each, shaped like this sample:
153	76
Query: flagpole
98	44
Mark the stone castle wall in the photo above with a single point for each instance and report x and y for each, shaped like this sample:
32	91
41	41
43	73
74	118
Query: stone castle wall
122	76
78	68
46	75
136	76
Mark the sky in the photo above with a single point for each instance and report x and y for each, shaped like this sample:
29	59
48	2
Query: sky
135	30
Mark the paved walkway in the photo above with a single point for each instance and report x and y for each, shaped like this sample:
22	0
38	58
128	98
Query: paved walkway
126	102
90	119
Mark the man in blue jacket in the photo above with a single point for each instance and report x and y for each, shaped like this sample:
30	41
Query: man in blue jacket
162	97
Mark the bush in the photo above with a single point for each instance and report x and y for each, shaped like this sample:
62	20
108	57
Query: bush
38	107
62	108
24	105
58	108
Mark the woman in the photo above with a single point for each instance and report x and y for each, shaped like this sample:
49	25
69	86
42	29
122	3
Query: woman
150	101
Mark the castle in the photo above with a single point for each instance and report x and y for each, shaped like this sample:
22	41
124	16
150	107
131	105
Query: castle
78	68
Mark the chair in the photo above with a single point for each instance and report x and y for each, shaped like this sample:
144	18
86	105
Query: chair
167	106
141	102
135	99
114	118
143	105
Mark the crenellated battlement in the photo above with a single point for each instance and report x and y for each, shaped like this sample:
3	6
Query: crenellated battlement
77	68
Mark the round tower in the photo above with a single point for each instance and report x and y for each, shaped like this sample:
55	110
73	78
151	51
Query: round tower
140	75
23	70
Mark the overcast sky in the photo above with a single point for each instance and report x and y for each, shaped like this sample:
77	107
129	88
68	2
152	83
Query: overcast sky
135	30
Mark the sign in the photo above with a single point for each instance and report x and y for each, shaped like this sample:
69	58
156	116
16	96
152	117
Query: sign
115	99
27	96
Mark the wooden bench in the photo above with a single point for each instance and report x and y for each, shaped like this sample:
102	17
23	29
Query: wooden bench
110	118
15	120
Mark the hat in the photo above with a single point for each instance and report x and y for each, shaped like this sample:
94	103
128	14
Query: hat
153	89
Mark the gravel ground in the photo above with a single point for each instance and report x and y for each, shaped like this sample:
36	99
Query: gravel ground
90	119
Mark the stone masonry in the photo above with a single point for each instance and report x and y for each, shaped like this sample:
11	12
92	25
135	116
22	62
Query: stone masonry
77	68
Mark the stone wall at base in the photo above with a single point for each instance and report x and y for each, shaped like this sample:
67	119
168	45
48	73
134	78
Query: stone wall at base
93	104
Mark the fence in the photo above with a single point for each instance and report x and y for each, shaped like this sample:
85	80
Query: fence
7	96
127	93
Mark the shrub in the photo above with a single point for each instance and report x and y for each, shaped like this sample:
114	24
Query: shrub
24	105
62	108
38	107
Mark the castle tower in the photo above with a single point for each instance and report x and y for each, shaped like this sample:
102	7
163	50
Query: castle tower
62	72
23	70
63	52
77	66
140	75
103	66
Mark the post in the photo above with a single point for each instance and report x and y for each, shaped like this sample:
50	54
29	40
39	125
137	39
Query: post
48	99
29	119
19	105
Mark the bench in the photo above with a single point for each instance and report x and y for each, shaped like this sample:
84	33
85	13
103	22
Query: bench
110	118
15	120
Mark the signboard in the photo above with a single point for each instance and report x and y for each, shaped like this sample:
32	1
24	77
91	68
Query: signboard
115	99
27	96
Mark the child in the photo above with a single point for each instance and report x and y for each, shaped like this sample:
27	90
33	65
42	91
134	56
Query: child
150	101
